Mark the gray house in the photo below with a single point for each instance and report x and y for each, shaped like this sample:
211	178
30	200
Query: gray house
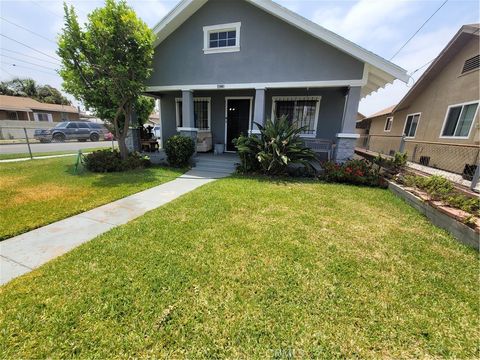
220	66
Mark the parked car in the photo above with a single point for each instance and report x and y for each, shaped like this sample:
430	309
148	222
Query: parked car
72	130
109	136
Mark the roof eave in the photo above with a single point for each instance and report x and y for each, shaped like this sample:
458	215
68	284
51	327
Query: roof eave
469	29
386	70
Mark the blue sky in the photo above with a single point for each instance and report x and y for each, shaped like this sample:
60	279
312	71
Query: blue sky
381	26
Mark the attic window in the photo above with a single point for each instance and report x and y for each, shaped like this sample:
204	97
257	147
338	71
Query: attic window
471	64
221	38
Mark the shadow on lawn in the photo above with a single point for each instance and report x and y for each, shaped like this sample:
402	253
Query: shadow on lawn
278	180
131	177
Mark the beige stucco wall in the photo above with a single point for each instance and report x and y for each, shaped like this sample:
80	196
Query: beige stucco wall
449	87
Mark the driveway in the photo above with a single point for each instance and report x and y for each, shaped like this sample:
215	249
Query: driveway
50	147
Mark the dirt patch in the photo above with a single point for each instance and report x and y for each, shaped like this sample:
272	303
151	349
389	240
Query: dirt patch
10	181
46	192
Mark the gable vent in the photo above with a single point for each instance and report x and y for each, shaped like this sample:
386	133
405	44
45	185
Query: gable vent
471	64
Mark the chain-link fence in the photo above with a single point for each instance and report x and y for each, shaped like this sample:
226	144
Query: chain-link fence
459	162
18	142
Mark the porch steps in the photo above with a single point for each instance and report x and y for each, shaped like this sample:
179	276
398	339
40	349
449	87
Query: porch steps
220	165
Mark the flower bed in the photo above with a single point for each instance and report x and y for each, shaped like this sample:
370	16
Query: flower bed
441	194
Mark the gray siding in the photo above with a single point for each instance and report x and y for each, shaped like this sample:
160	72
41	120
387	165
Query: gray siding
330	114
271	51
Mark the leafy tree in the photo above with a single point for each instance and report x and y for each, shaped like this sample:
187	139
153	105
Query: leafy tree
105	63
48	94
20	87
29	88
143	108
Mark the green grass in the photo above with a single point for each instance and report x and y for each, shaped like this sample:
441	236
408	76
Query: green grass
39	192
37	154
245	268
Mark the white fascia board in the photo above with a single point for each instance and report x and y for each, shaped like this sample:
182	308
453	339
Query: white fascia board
176	17
272	85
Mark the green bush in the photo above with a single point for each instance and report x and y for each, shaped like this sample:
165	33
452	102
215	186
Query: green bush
442	189
391	166
248	147
276	148
179	150
110	161
359	172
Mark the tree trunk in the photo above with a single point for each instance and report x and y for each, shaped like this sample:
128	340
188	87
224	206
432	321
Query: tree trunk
121	133
122	146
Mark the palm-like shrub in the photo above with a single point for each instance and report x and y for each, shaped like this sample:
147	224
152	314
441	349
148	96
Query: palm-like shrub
278	146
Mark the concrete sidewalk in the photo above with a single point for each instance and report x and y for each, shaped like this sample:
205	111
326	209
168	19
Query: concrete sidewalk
25	252
38	157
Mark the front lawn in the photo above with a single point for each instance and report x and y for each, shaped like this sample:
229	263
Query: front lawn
246	268
38	192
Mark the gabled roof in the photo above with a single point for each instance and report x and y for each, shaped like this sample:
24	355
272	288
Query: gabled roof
19	103
463	35
382	112
378	70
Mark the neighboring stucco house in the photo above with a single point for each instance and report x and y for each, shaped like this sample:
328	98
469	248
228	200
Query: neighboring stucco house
18	112
219	66
20	108
438	117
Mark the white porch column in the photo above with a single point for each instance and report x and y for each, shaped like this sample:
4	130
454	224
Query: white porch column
188	118
258	110
347	137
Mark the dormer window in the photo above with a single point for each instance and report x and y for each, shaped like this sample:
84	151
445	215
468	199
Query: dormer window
221	38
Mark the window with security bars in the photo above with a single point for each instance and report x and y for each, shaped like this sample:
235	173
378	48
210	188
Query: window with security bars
201	113
459	120
302	112
471	64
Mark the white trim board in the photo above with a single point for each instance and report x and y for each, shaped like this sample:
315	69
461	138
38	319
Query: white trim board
348	136
270	85
187	8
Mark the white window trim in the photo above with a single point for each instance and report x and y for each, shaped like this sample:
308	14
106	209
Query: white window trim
49	116
177	115
216	28
295	98
405	125
386	122
471	125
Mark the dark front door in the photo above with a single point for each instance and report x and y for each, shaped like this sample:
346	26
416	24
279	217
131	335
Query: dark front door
238	120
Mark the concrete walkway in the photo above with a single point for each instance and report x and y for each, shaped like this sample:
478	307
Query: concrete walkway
25	252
